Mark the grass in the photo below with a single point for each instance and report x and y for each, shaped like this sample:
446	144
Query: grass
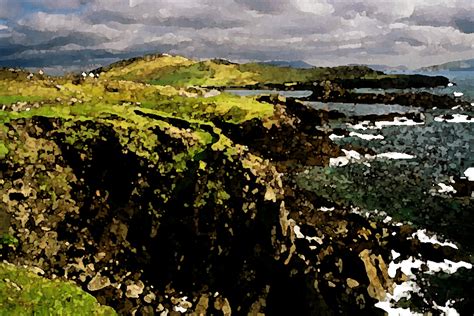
230	108
3	150
135	111
146	67
10	99
94	95
180	72
25	293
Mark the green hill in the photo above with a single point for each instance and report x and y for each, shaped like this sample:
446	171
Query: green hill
180	71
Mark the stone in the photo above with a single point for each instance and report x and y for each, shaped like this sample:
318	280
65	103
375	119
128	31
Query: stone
98	282
134	289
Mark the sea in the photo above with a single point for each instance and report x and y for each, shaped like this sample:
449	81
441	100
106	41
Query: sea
405	171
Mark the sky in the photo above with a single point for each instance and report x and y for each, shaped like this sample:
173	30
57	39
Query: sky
84	34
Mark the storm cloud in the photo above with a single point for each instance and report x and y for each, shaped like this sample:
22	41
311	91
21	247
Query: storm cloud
80	33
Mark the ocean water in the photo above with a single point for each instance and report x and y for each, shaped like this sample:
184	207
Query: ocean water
441	150
410	176
288	94
352	109
464	81
442	147
405	171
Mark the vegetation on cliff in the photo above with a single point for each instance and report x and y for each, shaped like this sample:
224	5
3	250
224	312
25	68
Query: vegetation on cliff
23	292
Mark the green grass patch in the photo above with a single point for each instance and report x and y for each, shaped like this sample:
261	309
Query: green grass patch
3	150
10	99
25	293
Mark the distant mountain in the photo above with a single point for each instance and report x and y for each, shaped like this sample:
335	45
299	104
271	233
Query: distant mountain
459	65
387	68
292	63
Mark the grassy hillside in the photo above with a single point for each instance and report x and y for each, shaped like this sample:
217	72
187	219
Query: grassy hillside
188	103
179	71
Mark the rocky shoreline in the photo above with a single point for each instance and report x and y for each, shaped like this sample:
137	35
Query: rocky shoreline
153	213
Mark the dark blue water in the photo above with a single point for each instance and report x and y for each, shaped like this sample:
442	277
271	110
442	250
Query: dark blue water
419	191
407	189
289	94
412	191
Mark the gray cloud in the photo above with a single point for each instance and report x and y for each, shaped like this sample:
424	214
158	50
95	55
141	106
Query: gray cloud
9	9
324	32
265	6
60	4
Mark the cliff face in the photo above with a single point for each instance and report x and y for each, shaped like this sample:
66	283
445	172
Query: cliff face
138	210
120	204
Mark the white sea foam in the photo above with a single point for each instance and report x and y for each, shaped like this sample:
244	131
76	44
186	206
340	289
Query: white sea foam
397	121
334	137
424	238
366	136
395	155
338	161
457	118
444	188
405	289
350	156
353	156
469	173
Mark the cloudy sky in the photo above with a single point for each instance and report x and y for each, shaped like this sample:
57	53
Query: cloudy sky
87	33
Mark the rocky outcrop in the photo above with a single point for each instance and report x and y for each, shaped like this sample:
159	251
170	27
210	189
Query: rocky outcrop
290	138
394	82
90	205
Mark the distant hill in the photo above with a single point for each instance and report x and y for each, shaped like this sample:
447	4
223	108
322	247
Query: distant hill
292	64
459	65
163	69
385	68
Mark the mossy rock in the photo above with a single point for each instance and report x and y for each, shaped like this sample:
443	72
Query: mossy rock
24	293
3	150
